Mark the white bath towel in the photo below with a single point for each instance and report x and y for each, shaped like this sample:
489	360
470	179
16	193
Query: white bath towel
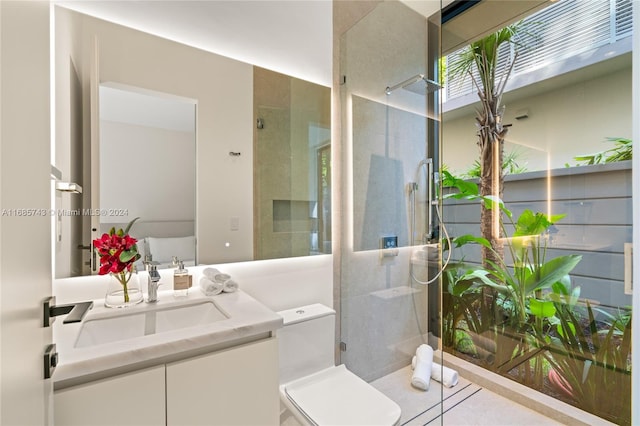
230	286
421	377
209	287
439	373
221	278
210	273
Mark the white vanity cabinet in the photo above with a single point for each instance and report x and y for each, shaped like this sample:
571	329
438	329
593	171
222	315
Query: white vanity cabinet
136	399
235	386
238	386
182	368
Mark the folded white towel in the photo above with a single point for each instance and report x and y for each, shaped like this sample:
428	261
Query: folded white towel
210	273
210	288
221	278
421	377
440	373
230	286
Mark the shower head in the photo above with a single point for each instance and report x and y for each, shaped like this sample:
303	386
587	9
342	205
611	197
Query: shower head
419	84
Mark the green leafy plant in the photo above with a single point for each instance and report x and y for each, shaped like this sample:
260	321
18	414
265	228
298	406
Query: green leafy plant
543	332
511	165
524	312
593	362
621	151
467	313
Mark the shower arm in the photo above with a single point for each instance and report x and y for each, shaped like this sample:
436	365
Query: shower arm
430	84
408	81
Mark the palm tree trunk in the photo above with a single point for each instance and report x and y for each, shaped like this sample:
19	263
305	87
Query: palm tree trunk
491	143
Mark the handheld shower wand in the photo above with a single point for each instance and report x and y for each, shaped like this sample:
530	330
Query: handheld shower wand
428	235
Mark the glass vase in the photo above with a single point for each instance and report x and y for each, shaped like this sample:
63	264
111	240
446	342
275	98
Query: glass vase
123	290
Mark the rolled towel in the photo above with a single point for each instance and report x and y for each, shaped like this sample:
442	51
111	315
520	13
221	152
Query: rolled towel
422	373
210	288
210	273
229	286
444	375
440	373
221	278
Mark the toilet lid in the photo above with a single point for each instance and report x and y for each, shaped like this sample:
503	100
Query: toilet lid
336	396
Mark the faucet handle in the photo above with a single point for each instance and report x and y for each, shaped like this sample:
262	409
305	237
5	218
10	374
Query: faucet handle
154	275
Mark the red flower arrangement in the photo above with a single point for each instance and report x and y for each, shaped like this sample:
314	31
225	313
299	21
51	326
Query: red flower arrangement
118	252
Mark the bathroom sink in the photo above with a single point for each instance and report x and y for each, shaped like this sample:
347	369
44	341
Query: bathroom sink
135	324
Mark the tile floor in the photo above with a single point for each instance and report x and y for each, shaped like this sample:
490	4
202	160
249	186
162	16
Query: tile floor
465	404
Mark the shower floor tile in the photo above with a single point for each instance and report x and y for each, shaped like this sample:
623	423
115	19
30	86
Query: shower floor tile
465	404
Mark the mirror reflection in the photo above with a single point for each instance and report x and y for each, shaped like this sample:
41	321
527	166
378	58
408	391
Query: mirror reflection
156	134
227	189
292	166
292	169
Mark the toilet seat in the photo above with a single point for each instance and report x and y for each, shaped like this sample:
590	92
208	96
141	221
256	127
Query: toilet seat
336	396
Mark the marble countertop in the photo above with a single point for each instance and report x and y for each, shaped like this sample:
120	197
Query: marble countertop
247	320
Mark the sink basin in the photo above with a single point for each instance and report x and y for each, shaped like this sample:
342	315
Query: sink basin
131	325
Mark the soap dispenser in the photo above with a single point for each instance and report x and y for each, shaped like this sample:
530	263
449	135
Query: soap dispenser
181	281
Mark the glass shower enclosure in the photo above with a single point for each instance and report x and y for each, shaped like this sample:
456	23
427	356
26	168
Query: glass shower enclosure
389	252
511	263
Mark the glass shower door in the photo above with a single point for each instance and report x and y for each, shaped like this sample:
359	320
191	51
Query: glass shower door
389	251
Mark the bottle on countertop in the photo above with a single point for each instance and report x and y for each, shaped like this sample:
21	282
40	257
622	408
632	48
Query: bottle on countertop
181	281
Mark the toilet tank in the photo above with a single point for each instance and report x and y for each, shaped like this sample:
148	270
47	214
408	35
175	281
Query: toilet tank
306	341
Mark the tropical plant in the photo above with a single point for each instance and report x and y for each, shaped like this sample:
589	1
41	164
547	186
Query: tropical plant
593	363
511	165
523	309
543	331
483	57
620	152
467	313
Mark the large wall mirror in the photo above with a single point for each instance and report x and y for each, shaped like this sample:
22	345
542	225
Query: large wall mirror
221	160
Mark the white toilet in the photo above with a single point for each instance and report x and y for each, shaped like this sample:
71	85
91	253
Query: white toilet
312	387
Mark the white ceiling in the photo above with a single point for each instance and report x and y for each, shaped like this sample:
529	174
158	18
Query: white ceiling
291	37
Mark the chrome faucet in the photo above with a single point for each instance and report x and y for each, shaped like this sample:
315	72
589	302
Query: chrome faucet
152	284
148	262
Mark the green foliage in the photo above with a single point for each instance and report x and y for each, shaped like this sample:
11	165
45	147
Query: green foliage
128	227
469	191
534	224
518	284
465	310
483	56
517	288
594	362
465	189
536	316
464	343
621	151
511	164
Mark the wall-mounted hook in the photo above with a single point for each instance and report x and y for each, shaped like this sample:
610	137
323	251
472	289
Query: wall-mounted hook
260	123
